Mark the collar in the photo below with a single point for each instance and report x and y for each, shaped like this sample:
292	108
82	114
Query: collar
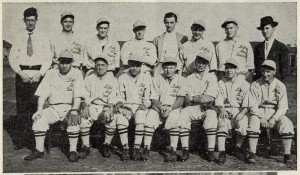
200	77
270	41
64	76
66	33
237	37
194	40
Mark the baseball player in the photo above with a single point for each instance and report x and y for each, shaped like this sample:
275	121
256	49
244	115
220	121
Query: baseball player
101	44
67	39
232	102
233	46
101	99
139	46
63	89
135	90
201	89
268	105
167	98
191	48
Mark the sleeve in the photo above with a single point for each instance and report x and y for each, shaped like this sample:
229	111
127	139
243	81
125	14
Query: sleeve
250	57
246	89
212	86
153	54
219	101
218	57
115	95
47	57
154	91
147	93
122	90
180	60
14	58
254	96
213	60
87	90
79	89
182	91
118	54
44	87
125	53
282	103
53	51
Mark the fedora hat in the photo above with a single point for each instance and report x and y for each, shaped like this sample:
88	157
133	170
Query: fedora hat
265	21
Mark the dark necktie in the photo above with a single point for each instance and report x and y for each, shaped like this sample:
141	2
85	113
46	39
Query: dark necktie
29	46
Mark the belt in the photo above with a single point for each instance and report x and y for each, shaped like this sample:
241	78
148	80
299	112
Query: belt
268	106
34	67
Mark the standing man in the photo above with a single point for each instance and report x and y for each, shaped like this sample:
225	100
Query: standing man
101	44
139	46
189	50
235	47
168	43
268	104
67	39
167	97
270	49
30	58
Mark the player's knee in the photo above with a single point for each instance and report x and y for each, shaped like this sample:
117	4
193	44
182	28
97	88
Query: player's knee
73	128
122	120
40	125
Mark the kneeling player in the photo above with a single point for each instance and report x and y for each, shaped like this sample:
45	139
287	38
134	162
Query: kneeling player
135	90
167	98
268	105
63	88
232	102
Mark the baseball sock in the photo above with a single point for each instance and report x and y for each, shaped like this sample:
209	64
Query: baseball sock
184	137
174	136
148	136
123	132
253	139
139	133
39	140
287	143
73	139
85	136
109	133
221	137
211	138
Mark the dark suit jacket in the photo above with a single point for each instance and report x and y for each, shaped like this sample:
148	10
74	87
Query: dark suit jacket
278	53
159	41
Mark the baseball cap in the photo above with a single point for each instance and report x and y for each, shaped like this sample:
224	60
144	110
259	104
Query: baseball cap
102	20
232	61
139	23
65	15
199	22
203	55
269	63
229	20
101	57
65	56
169	60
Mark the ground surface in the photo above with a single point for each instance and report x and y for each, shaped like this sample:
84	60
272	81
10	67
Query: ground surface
56	161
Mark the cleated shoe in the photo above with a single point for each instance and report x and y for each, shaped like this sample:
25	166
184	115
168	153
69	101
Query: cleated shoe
251	158
106	150
125	153
239	153
185	154
145	155
210	156
73	156
170	155
136	154
222	157
84	152
288	159
36	154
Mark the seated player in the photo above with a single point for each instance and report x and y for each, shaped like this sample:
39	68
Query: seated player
63	89
268	104
135	90
232	102
167	98
201	89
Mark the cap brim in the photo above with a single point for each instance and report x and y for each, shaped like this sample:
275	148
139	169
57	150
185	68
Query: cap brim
65	60
140	26
66	16
227	22
101	22
231	64
267	66
274	24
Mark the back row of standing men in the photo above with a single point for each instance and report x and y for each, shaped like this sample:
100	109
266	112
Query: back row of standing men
31	62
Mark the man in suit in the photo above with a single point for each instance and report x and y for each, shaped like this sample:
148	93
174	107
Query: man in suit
270	49
168	43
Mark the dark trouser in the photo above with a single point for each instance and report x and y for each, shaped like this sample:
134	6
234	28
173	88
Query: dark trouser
26	106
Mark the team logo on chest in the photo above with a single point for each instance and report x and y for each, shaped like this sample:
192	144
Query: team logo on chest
107	90
70	84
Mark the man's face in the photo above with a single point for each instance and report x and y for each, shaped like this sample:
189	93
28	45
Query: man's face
103	29
169	70
231	30
170	24
201	64
100	67
139	32
230	71
67	24
197	32
267	73
134	67
268	31
64	67
30	22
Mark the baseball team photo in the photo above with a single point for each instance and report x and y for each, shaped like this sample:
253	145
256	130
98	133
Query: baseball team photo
149	86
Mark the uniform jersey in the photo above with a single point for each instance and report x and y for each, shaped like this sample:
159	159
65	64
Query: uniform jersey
93	48
189	50
233	93
105	88
239	49
206	84
134	89
167	92
61	89
271	95
139	47
71	42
